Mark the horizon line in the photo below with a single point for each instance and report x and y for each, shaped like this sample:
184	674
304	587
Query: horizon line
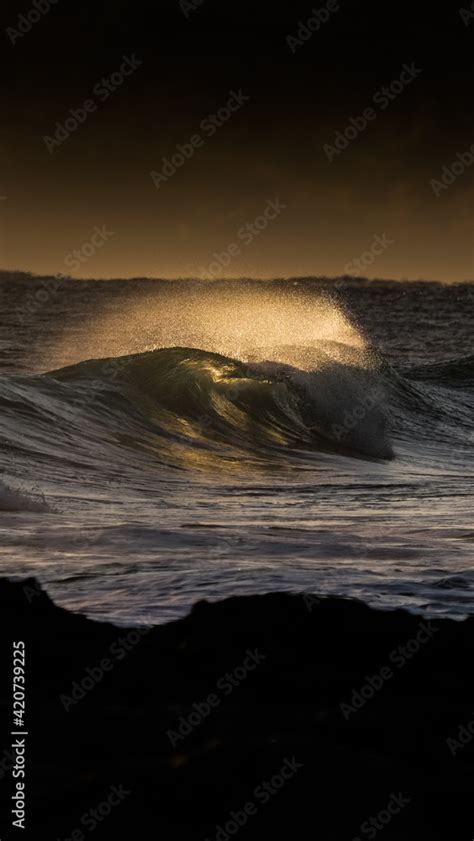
235	279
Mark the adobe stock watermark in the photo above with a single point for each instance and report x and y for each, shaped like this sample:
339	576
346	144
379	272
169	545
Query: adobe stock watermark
27	21
306	29
76	258
224	686
399	657
31	593
207	128
381	99
261	795
450	174
467	15
101	92
354	416
118	650
370	827
357	265
7	763
310	601
94	817
225	545
85	398
48	288
189	6
464	736
244	236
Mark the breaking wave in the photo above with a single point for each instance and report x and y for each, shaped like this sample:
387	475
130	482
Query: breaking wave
191	408
187	398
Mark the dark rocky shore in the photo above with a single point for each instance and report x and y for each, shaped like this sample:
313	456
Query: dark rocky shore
261	717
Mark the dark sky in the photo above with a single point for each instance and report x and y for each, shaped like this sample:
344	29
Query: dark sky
384	187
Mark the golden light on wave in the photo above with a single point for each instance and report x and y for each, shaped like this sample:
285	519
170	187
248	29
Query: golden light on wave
240	321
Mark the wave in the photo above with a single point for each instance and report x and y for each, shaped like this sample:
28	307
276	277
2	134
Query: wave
189	408
452	373
209	400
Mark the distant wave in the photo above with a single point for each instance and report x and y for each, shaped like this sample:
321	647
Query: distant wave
453	373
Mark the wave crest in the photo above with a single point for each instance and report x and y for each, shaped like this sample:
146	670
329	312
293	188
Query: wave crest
259	406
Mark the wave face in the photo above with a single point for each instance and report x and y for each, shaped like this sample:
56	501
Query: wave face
173	443
190	406
192	409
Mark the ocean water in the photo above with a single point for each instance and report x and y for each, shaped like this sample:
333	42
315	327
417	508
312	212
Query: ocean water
163	442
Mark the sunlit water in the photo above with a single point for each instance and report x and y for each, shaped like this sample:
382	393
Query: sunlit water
238	438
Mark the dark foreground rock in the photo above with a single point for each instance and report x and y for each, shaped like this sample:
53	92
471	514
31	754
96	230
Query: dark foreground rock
261	717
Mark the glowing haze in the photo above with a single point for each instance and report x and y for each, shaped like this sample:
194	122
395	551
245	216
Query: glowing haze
176	150
246	324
